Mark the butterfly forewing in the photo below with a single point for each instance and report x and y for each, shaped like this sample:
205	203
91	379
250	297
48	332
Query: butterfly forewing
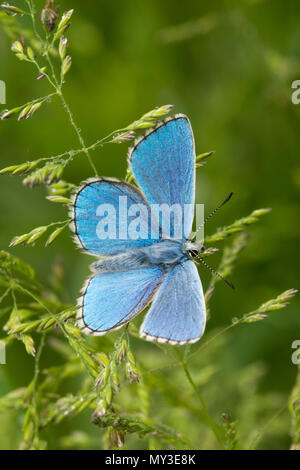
163	163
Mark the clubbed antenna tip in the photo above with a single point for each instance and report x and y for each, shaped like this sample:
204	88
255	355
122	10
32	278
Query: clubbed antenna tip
227	199
213	212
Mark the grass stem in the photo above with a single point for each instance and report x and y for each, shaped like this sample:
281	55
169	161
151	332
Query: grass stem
208	418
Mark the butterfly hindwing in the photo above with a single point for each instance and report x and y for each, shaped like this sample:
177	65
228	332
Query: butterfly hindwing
89	206
163	163
177	314
112	299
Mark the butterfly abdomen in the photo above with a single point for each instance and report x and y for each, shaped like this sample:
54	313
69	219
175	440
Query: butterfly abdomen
131	259
165	252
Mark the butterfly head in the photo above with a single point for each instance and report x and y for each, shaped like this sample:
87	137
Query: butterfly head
192	250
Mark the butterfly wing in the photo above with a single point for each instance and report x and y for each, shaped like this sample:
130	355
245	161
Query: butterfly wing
100	197
177	314
110	300
163	163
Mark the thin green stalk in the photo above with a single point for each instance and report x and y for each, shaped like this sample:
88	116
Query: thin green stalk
78	132
61	222
48	58
75	152
209	420
5	294
32	12
202	346
260	433
40	100
34	401
58	87
221	332
61	326
14	301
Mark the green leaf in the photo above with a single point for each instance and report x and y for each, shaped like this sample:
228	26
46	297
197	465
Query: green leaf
294	407
54	235
58	199
237	226
15	266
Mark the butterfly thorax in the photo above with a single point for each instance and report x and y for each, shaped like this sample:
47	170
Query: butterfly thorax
164	253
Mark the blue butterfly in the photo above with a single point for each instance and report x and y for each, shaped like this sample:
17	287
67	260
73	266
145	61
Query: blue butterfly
131	272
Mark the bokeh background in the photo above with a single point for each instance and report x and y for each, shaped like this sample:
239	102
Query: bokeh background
229	66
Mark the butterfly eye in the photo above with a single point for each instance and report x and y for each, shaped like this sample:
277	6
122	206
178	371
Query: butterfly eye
193	253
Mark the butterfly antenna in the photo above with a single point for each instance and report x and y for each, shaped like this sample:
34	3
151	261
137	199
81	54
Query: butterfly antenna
216	273
213	213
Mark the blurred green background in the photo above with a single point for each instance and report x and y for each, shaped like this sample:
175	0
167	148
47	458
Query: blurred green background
229	66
